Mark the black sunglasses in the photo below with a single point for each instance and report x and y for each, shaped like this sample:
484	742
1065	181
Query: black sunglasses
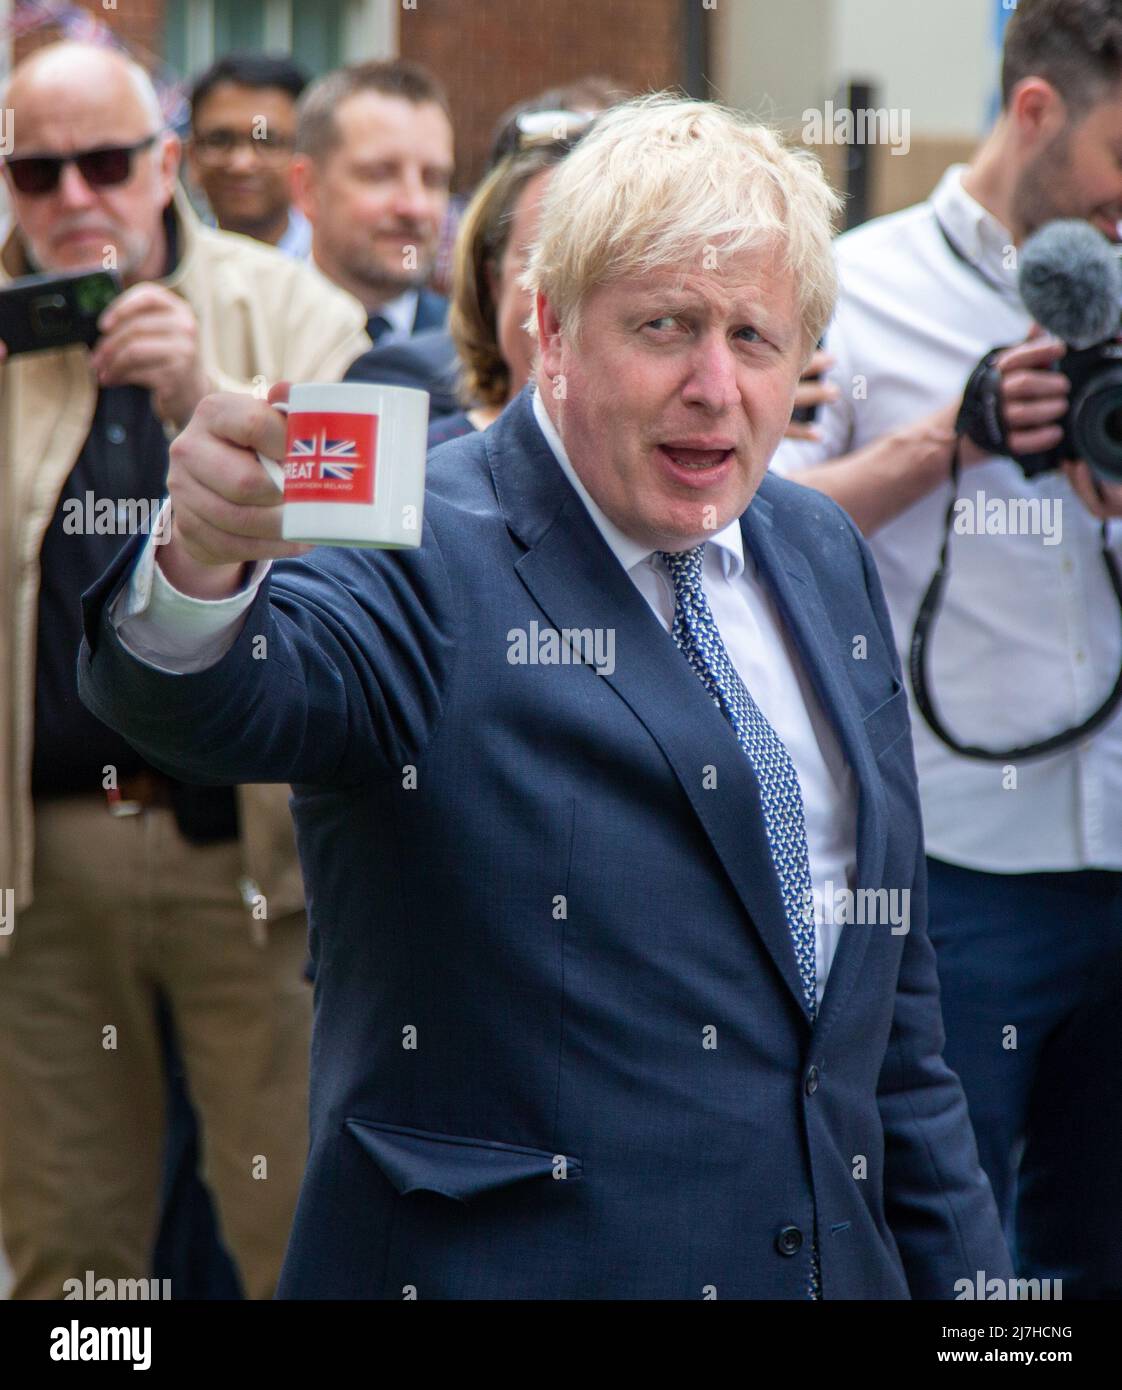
105	167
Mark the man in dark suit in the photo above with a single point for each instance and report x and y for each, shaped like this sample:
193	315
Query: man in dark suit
427	361
372	173
586	786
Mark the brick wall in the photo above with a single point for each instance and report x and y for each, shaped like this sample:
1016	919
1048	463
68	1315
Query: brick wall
138	22
491	53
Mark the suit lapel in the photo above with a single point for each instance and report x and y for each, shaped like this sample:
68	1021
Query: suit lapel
787	574
578	583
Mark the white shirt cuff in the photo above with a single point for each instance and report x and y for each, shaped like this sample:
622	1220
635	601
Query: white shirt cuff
171	631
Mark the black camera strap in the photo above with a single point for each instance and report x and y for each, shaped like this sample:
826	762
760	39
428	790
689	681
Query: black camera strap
925	627
1001	287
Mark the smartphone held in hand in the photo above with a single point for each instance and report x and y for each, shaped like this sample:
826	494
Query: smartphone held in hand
39	312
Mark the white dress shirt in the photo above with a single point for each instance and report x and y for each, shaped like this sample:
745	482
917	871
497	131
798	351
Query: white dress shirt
1029	638
402	314
178	634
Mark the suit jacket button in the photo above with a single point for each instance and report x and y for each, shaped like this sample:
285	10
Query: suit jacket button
812	1081
789	1240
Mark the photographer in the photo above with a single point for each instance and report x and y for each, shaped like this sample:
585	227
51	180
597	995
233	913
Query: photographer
132	889
1025	851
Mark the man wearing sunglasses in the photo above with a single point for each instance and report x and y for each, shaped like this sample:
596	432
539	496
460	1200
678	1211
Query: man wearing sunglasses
132	891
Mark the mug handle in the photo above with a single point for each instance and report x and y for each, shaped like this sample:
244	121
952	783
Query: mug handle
271	466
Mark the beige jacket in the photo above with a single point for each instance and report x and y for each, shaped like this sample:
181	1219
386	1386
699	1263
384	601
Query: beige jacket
261	316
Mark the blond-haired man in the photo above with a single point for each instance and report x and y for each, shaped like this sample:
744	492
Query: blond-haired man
596	750
125	885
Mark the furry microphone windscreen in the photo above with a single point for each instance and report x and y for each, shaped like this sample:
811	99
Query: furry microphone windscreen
1071	282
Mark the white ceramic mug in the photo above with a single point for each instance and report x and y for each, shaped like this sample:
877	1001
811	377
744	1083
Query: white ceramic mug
353	473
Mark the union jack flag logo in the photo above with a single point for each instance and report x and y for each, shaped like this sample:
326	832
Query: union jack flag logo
337	458
331	457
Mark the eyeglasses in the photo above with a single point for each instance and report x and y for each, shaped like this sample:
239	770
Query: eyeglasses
104	167
551	127
216	146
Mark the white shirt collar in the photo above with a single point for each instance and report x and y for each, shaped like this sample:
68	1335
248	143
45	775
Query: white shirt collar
729	543
402	312
977	233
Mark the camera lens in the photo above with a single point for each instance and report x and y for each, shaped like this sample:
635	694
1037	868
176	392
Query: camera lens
1096	424
51	315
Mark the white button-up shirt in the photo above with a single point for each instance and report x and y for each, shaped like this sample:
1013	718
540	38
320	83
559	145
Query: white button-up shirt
179	634
1030	636
402	314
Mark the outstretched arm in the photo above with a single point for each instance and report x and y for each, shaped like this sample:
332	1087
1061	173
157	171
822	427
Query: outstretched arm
336	670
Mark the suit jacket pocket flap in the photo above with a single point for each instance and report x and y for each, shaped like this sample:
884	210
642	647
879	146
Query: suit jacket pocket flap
417	1160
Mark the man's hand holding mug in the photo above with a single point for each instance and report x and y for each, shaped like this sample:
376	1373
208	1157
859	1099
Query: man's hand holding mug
350	460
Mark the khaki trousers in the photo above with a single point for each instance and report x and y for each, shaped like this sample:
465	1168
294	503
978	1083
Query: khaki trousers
125	906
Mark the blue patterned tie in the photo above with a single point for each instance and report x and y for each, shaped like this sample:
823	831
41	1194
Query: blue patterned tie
696	635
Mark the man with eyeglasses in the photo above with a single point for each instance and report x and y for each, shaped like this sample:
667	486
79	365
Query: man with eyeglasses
132	890
243	131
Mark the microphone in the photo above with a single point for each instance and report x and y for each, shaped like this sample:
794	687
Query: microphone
1071	282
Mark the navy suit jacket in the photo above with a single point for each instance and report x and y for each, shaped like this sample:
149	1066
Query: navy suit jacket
560	1045
432	311
427	360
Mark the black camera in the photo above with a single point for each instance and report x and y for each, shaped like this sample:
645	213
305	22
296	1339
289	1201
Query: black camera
39	312
51	315
1093	423
1070	281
